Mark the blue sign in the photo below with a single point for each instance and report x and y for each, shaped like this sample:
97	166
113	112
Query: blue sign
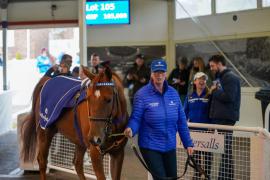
107	12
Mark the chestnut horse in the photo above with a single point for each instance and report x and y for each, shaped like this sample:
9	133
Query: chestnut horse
102	114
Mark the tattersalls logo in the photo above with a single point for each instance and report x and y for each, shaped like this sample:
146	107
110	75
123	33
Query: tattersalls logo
172	103
159	64
154	104
208	142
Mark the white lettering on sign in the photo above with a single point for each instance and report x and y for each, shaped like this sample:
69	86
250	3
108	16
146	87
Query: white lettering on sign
107	7
115	15
91	16
208	142
93	7
102	7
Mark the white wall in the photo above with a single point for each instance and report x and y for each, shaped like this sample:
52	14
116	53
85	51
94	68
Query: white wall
38	11
22	14
253	21
250	109
148	25
149	22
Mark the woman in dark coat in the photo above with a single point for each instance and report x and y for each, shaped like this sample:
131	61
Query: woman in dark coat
179	78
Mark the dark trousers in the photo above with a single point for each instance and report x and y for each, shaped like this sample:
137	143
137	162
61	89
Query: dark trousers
226	168
161	164
203	159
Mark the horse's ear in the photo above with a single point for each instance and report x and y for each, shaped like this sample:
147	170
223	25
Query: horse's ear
86	71
108	72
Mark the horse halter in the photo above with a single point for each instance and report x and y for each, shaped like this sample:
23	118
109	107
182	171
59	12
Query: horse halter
109	119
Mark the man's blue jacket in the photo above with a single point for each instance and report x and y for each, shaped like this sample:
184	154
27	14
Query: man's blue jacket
157	117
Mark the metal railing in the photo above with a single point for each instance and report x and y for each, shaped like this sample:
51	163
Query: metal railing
227	152
238	152
61	158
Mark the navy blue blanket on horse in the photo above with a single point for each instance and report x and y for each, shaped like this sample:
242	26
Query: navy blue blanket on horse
56	94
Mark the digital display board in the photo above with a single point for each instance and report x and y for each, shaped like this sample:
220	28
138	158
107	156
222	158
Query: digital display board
107	12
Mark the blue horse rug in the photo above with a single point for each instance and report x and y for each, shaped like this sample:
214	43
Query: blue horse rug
58	93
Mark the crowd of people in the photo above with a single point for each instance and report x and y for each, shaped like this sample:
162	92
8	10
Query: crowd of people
162	106
50	66
202	94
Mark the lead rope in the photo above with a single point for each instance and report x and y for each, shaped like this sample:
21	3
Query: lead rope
189	162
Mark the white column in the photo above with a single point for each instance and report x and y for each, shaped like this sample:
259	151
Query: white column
170	48
83	33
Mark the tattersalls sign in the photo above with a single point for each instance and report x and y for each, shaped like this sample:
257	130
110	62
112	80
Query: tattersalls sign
107	12
208	142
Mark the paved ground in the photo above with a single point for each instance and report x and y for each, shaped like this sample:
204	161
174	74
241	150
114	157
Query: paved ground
132	169
9	161
8	152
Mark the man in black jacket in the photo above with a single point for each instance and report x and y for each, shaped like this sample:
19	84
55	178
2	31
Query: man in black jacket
137	76
224	108
94	62
62	69
178	78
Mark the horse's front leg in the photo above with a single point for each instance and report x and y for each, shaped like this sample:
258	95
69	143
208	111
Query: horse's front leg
78	161
117	159
97	162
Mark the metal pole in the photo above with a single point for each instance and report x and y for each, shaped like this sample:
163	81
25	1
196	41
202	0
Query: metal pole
28	46
258	130
5	86
4	4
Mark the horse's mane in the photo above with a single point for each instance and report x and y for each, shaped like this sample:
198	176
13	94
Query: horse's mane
118	80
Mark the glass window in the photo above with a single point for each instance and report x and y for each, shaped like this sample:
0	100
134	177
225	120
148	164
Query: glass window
234	5
10	38
266	3
193	7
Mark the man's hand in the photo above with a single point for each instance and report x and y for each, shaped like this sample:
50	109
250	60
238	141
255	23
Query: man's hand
182	83
129	76
143	80
213	88
128	132
55	67
190	150
176	81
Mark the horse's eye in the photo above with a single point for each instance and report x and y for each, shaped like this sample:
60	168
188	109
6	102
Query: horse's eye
108	100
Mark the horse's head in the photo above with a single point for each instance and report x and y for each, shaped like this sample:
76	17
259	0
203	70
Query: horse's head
106	107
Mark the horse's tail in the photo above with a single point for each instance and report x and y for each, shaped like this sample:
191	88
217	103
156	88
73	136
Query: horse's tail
29	138
29	126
